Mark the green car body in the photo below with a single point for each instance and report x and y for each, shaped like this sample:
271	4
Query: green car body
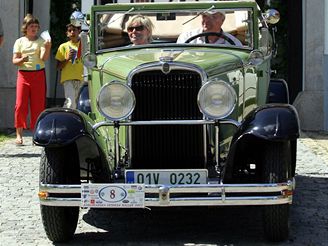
169	124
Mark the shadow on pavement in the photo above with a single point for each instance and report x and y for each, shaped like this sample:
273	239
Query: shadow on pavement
23	155
225	225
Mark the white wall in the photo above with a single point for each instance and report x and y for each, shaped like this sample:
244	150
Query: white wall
11	16
310	103
325	65
86	6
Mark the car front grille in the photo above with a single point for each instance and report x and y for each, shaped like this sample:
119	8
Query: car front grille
171	96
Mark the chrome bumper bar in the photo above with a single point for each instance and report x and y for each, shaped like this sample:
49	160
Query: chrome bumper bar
209	195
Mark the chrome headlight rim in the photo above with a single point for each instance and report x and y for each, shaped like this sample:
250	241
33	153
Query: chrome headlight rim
128	89
230	90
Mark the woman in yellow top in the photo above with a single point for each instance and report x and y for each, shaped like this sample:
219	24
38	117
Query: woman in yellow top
29	54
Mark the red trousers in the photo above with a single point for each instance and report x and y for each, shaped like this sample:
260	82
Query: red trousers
30	91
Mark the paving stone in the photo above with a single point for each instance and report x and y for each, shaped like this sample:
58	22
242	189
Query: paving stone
20	219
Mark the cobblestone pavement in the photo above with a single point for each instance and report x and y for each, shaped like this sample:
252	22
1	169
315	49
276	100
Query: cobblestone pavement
20	222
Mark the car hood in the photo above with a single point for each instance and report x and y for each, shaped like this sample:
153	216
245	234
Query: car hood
212	61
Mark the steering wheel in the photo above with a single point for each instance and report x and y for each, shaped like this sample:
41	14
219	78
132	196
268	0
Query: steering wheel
207	34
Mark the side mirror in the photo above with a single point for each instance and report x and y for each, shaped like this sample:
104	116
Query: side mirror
255	58
271	16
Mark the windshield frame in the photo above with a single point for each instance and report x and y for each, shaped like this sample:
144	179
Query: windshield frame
132	9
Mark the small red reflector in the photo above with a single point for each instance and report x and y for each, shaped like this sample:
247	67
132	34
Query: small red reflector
287	192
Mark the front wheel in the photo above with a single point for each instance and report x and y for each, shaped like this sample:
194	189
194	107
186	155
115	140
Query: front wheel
276	160
59	166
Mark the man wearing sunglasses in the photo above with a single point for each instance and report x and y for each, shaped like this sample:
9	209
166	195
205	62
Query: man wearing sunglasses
140	29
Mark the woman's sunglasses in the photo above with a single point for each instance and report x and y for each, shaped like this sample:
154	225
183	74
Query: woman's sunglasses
137	28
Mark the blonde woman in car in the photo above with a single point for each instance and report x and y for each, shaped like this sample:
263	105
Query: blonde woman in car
140	30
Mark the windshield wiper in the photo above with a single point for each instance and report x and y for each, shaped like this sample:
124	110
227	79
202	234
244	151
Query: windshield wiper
200	13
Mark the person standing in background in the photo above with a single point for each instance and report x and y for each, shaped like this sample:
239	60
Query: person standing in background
29	54
1	33
70	64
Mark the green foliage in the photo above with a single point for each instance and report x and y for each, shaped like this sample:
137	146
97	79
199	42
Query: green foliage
60	12
4	137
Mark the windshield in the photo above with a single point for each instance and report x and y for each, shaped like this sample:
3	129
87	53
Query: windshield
113	29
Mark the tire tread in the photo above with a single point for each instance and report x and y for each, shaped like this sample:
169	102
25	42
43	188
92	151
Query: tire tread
276	168
59	222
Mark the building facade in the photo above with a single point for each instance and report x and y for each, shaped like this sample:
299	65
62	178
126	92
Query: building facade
12	14
311	102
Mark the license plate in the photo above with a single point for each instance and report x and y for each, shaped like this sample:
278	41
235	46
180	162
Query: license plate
113	195
167	177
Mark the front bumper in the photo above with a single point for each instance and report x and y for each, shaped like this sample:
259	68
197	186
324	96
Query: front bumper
188	195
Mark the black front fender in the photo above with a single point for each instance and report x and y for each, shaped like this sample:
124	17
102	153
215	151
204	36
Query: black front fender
271	122
58	127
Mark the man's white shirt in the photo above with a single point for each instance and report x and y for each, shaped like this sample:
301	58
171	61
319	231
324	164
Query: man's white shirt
201	40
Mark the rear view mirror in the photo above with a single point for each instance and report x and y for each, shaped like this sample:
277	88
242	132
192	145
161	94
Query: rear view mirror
272	16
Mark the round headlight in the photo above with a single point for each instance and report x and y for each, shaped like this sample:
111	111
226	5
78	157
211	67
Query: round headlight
116	101
216	99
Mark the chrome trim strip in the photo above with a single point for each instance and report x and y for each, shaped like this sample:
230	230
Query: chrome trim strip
116	146
166	122
178	202
215	201
205	143
217	194
217	145
228	188
60	189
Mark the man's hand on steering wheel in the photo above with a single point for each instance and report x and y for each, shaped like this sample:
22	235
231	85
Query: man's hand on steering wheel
207	34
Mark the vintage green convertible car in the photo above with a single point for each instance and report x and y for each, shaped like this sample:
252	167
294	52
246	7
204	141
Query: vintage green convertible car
172	124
